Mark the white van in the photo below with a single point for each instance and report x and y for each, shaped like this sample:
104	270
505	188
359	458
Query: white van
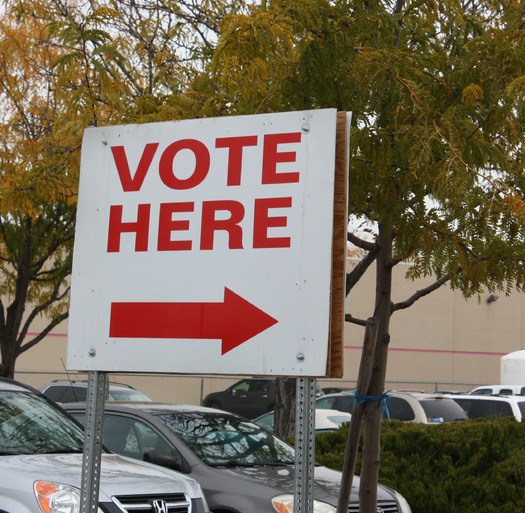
499	390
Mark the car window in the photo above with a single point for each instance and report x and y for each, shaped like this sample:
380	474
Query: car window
439	410
482	391
325	403
74	395
220	439
128	436
345	403
55	393
259	385
266	421
485	408
123	394
496	408
131	437
242	386
30	425
521	406
399	408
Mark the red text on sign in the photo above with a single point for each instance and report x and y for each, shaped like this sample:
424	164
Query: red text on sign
211	223
272	156
223	216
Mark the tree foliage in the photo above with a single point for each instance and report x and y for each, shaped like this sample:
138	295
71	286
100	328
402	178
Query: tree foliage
64	66
437	157
436	91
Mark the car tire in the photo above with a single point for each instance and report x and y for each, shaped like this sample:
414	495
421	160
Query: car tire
214	404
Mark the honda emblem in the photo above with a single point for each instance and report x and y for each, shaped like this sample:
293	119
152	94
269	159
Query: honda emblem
160	506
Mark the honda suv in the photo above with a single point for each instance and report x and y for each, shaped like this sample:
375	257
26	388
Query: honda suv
41	460
75	391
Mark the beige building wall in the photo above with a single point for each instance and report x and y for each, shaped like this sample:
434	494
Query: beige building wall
441	342
442	338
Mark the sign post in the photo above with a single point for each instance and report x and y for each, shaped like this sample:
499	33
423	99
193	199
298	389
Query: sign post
304	445
91	460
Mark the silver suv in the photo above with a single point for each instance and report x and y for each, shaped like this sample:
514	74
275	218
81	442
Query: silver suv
409	406
75	391
41	461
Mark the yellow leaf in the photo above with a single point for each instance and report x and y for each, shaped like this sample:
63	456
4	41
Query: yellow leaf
472	94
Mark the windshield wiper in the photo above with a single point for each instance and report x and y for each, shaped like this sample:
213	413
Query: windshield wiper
64	450
242	463
233	463
278	462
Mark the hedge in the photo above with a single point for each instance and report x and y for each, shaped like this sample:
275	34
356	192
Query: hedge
464	467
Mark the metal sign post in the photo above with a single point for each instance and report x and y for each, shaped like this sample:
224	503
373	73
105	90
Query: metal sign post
96	396
304	445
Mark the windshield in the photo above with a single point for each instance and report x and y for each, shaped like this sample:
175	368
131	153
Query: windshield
222	439
439	410
30	425
117	394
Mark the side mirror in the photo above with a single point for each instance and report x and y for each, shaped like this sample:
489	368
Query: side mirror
164	460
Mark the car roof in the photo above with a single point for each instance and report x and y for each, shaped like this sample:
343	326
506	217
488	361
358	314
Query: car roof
84	383
501	398
9	384
397	393
150	407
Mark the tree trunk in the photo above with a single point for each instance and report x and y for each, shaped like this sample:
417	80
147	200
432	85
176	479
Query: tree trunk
373	409
284	413
354	432
9	354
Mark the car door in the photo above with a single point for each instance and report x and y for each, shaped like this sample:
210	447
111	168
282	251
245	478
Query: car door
129	436
251	397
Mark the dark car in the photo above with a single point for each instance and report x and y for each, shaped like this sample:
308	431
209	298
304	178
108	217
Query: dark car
240	466
75	391
250	397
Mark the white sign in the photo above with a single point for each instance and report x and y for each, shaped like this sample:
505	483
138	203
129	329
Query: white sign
204	246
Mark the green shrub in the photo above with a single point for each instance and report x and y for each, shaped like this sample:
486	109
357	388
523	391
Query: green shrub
465	467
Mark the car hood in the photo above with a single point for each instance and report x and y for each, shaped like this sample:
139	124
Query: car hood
281	479
118	475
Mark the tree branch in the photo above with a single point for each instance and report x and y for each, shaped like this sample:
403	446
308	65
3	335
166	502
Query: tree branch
355	320
361	243
355	275
423	292
55	322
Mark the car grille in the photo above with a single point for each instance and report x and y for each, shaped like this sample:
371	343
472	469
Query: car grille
382	507
169	503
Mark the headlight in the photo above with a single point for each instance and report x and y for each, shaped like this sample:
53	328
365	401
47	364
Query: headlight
57	498
284	504
403	504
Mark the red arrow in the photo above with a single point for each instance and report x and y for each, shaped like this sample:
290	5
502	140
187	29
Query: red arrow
234	321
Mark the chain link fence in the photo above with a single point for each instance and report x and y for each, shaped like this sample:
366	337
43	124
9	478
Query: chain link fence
181	389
